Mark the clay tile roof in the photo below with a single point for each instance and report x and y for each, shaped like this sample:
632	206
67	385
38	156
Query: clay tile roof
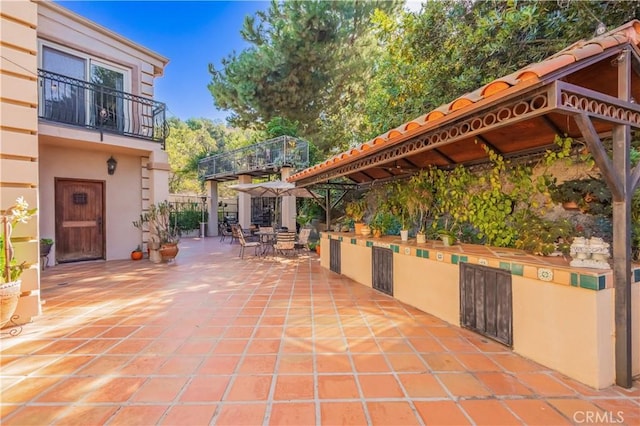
627	33
494	87
434	115
412	125
548	66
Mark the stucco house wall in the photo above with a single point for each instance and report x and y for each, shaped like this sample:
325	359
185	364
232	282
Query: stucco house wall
34	152
141	176
18	137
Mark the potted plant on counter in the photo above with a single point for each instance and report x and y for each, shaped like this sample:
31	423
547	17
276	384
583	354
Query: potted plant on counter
381	223
356	210
10	269
420	198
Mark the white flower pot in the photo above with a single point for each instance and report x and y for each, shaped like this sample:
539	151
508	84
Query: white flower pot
404	235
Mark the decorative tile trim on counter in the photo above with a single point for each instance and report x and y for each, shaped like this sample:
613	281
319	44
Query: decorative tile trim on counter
527	266
588	281
422	253
455	259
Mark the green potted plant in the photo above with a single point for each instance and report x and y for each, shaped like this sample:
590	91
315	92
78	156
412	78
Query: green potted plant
163	234
381	223
10	269
419	201
544	237
589	195
45	246
356	210
398	200
448	237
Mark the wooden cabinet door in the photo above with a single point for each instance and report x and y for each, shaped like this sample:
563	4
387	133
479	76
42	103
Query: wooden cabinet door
79	220
382	266
335	256
486	303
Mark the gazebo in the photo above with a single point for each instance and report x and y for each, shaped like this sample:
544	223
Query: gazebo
587	91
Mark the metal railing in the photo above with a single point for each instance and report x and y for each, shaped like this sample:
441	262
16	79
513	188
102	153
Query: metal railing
283	151
81	103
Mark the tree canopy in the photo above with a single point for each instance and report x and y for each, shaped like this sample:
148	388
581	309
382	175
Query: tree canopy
452	47
307	60
191	140
347	71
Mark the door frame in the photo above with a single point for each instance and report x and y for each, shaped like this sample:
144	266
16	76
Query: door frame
104	208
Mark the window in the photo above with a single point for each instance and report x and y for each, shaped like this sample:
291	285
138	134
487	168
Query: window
108	105
64	99
69	99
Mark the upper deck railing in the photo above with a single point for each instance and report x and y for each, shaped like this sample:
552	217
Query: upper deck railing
257	160
80	103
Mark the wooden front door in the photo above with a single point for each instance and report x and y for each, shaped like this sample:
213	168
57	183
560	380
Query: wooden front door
79	220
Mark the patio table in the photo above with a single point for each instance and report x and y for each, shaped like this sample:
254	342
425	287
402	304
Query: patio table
267	238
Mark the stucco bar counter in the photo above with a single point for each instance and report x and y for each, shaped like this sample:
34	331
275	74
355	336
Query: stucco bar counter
545	310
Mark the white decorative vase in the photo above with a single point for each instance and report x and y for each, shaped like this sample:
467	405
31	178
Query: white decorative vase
155	256
404	235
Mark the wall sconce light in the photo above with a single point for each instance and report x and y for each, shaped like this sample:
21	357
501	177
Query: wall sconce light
111	165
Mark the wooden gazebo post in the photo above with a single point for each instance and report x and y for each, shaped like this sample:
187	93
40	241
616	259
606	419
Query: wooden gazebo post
617	174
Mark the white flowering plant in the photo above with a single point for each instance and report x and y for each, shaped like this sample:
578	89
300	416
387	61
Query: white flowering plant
10	269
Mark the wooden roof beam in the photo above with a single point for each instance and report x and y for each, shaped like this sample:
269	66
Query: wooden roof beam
489	145
599	154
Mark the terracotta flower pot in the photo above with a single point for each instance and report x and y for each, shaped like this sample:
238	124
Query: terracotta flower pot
9	296
169	251
570	205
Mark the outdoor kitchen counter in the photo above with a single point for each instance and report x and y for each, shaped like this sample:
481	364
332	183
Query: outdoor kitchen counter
560	316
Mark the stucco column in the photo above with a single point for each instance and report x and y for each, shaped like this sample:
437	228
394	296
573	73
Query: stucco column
244	204
288	204
158	168
212	193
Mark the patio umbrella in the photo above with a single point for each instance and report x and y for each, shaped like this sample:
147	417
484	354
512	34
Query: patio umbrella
274	188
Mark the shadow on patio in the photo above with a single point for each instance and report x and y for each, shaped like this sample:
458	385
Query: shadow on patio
213	339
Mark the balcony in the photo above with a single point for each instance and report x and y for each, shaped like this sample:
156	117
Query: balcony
257	160
83	104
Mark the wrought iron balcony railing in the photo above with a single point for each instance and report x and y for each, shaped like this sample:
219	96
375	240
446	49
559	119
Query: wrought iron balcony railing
258	159
81	103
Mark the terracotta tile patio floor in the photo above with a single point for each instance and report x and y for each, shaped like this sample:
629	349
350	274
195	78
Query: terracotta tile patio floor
213	339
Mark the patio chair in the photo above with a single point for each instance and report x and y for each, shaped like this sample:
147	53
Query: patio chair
303	239
244	244
285	242
248	235
223	231
235	231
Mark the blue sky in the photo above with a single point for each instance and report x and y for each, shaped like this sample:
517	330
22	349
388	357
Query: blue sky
191	34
